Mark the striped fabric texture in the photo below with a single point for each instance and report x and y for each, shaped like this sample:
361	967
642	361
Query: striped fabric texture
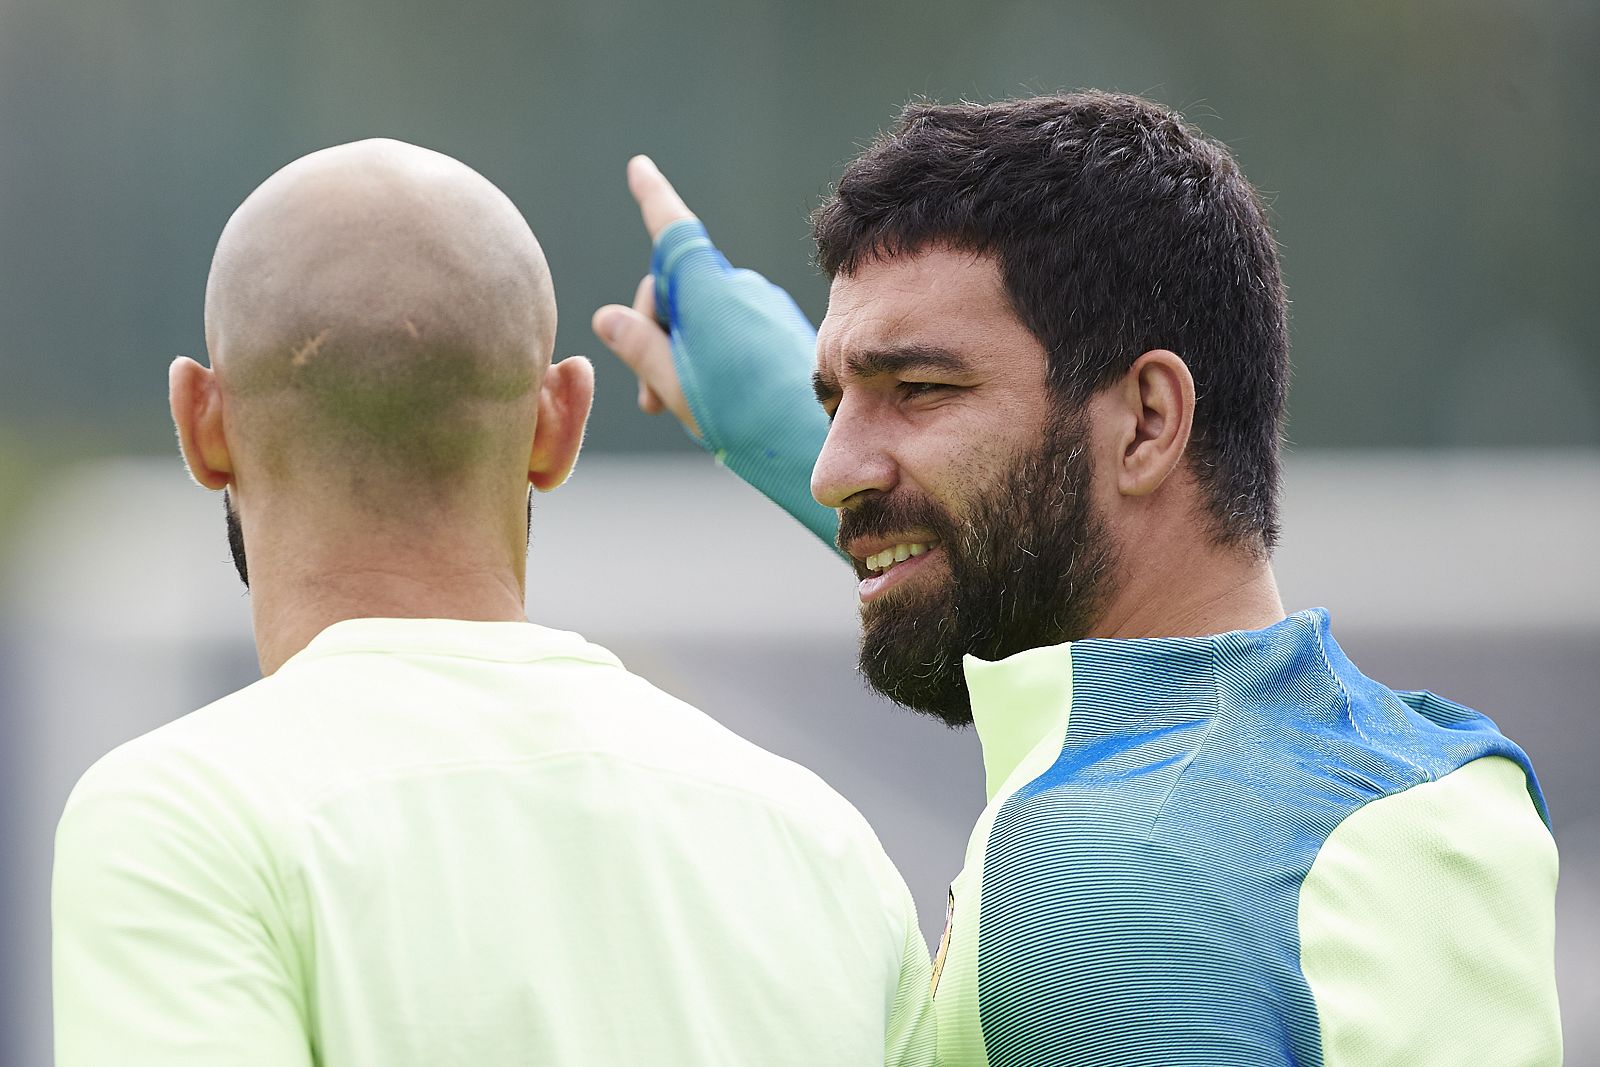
1140	897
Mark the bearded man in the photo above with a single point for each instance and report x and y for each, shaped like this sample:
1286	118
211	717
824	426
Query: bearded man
1052	378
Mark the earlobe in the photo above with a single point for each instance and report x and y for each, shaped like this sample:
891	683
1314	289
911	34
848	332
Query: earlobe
196	403
565	398
1160	397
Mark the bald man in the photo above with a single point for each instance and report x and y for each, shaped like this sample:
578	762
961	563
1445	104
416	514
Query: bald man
435	833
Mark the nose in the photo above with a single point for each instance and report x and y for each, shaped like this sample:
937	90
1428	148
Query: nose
854	459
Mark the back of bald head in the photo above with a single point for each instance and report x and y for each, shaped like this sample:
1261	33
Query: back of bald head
380	315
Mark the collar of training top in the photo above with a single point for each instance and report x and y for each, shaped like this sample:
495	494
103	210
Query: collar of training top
1136	685
499	641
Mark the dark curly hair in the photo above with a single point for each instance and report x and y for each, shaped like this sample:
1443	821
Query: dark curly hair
1117	228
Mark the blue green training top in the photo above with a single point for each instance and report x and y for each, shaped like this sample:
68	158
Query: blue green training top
1230	850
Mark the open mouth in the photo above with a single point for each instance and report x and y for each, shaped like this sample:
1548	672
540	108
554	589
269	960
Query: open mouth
896	554
893	565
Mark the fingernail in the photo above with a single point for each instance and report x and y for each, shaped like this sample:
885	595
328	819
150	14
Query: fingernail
611	325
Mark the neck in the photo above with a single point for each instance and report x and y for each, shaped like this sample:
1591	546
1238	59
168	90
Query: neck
1191	591
297	592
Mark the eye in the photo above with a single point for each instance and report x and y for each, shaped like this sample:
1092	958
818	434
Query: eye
923	388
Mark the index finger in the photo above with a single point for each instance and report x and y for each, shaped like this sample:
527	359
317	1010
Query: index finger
659	202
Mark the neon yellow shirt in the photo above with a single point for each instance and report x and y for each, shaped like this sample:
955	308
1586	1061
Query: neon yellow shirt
439	842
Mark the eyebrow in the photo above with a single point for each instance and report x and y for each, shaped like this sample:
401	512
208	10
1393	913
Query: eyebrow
896	360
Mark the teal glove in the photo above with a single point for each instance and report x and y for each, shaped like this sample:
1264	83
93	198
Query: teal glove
744	355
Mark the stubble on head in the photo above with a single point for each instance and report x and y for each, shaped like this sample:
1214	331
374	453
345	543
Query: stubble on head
380	319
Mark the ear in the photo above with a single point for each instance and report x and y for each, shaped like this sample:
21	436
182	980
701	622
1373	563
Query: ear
564	401
196	402
1154	405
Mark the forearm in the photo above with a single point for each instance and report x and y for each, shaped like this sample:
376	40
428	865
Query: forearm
743	353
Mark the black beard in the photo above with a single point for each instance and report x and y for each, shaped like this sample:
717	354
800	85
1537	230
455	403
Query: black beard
1030	564
236	540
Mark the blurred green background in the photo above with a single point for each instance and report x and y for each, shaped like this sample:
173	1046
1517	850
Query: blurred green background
1431	167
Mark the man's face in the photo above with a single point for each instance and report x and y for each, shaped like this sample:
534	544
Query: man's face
948	448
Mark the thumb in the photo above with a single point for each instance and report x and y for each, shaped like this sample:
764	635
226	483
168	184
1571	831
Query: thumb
646	349
634	339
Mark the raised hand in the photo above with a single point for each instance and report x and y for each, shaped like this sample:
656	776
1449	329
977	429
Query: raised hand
634	333
724	350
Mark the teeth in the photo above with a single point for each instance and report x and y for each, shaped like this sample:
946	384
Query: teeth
882	561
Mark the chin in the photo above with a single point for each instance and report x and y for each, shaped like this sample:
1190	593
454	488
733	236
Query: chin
910	653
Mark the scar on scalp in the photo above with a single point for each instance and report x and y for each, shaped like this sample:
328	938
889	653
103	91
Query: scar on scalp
303	354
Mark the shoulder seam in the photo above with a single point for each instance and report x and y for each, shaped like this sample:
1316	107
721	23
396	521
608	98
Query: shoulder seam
1350	716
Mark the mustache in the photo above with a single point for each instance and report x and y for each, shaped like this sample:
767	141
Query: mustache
879	515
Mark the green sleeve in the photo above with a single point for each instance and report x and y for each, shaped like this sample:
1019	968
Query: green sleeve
162	955
744	354
1427	927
